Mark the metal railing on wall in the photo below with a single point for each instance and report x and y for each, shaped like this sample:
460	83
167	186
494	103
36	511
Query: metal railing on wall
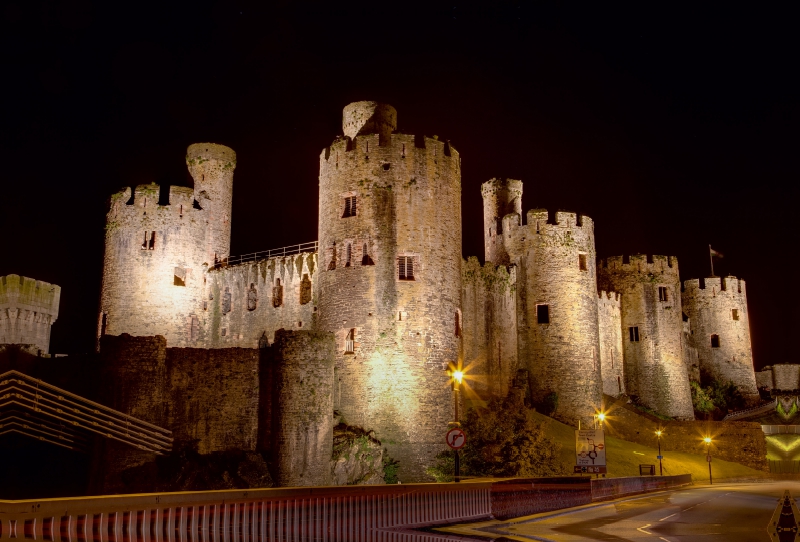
784	466
759	409
781	429
291	250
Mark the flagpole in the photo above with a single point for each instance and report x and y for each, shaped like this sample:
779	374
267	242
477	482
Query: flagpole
711	258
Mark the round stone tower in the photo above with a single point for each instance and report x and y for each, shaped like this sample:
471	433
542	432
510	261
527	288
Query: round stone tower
389	285
652	328
156	256
720	329
558	313
500	198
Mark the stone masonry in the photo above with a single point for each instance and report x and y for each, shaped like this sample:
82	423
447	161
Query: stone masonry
28	308
261	355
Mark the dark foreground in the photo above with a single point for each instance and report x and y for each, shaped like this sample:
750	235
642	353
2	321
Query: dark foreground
729	512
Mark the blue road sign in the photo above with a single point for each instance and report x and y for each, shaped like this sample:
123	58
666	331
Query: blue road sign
659	457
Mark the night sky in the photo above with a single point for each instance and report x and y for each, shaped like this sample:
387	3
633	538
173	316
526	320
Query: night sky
672	128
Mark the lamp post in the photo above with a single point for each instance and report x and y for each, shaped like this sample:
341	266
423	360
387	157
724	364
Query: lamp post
707	440
458	377
660	468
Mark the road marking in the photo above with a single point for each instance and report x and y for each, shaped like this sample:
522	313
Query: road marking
675	514
642	529
664	539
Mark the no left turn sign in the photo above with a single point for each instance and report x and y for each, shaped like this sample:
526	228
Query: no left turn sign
456	438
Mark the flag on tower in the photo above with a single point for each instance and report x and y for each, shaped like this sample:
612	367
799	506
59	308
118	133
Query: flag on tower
715	253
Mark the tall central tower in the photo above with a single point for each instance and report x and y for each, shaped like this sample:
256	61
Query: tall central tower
389	286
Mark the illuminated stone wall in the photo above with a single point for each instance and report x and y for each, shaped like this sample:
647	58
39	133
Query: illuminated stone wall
28	309
719	308
489	329
408	204
609	324
651	303
501	197
302	392
246	303
690	357
156	256
556	269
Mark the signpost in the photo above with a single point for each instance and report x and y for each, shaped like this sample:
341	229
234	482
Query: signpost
456	438
590	451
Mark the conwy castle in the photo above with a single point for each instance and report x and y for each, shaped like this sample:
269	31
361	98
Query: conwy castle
268	353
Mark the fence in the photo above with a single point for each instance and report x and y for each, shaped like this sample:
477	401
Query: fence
781	429
291	250
746	413
784	466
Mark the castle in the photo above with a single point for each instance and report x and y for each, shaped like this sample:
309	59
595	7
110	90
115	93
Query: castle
368	321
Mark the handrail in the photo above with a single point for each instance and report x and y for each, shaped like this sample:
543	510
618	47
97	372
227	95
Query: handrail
311	246
763	407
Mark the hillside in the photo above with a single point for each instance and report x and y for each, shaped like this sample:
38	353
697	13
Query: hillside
624	458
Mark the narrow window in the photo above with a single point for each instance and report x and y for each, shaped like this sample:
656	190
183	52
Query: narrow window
458	324
662	293
181	213
144	243
582	262
633	332
735	314
179	278
152	240
277	294
332	255
103	324
405	267
499	222
543	314
349	206
365	259
252	297
619	384
348	255
350	342
715	341
305	289
194	329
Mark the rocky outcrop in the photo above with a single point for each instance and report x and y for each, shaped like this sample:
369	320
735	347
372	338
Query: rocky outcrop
357	457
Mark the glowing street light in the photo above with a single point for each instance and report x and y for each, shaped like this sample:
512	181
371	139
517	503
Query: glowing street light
458	377
601	417
660	468
707	440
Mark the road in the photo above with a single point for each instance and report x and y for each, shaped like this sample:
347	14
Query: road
722	512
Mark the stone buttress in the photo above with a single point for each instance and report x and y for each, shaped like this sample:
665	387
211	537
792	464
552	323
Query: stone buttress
389	280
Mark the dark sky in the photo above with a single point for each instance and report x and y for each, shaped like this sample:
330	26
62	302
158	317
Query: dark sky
672	126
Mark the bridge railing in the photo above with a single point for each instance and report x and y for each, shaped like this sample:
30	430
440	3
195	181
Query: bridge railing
311	246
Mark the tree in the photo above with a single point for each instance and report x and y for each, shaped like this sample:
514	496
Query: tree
504	439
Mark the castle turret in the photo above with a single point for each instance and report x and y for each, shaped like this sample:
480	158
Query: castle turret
501	197
389	283
211	167
609	324
652	329
28	309
156	256
557	310
720	329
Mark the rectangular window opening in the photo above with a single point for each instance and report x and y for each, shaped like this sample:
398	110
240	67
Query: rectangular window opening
543	314
662	293
405	267
633	332
349	206
582	262
152	244
350	342
735	314
715	341
179	278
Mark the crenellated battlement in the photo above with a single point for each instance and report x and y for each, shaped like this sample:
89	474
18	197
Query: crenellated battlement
711	286
146	199
492	186
502	278
640	264
561	220
372	148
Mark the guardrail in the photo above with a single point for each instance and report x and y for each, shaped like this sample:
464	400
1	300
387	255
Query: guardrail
781	429
311	246
760	409
336	514
784	466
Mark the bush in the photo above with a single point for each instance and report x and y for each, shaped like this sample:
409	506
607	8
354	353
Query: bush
390	467
503	440
716	399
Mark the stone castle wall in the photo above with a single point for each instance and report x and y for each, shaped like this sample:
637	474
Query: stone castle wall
28	309
556	269
609	324
302	428
652	320
501	197
719	308
690	356
489	329
394	337
246	303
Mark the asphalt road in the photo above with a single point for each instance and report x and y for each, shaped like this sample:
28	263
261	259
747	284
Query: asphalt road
729	512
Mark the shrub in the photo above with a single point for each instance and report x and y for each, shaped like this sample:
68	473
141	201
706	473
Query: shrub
390	467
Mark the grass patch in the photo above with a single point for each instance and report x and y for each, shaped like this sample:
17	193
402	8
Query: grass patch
623	458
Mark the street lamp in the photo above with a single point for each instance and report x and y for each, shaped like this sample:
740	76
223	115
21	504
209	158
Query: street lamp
601	417
458	377
707	440
660	468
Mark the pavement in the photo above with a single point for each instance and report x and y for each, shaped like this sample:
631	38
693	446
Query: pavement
731	512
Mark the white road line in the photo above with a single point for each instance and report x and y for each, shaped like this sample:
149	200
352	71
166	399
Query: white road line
675	514
642	529
664	539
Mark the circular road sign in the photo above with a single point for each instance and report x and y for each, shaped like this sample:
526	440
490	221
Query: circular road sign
456	438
